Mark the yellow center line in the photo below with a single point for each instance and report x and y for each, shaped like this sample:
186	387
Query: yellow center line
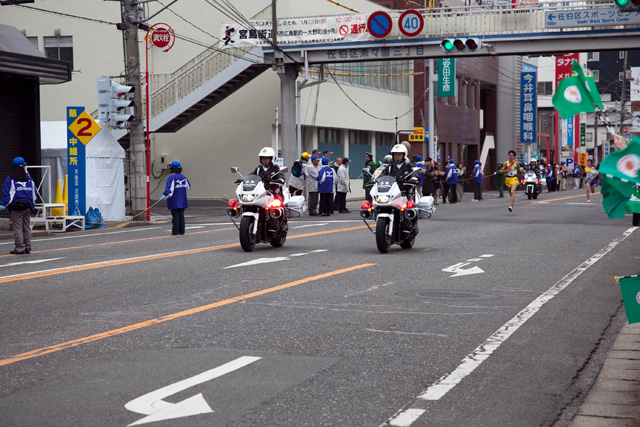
564	198
114	332
73	269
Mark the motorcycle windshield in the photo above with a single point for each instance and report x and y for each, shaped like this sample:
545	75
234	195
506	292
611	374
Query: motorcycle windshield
250	181
385	183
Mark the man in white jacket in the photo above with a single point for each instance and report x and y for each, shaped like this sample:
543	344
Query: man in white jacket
312	170
343	186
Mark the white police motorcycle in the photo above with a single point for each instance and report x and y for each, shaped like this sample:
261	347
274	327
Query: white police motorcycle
396	216
263	214
532	183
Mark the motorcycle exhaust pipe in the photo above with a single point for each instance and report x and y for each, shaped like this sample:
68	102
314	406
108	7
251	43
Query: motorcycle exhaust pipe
275	212
410	214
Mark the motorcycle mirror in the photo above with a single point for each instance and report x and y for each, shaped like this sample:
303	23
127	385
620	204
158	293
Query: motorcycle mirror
283	169
366	171
234	169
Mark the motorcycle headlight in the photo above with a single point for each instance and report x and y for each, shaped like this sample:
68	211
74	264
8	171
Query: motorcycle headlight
247	197
383	199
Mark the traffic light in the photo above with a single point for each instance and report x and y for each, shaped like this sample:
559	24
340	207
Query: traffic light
465	45
627	5
104	98
120	107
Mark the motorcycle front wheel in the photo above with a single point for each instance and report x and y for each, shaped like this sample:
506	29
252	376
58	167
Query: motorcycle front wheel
383	240
636	220
247	239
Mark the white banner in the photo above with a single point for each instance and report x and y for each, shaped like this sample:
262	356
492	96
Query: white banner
298	30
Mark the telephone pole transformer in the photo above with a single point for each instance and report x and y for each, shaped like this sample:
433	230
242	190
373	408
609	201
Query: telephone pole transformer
138	177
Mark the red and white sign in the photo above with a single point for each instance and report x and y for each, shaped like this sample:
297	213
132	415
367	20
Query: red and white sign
563	66
411	23
161	37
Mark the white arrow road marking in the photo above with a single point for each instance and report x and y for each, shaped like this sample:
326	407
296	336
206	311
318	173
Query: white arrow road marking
474	259
37	261
151	404
311	225
459	271
260	261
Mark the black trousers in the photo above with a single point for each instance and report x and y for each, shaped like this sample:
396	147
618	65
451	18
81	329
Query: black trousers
341	201
454	194
477	191
313	201
326	203
177	218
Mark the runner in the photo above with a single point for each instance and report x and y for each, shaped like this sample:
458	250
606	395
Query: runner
511	168
590	179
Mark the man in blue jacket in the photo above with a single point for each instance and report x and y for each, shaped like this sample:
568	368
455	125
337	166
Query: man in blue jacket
451	181
176	194
477	181
19	196
325	187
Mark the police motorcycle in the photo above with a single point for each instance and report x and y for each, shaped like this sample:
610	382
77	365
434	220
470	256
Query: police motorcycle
532	183
264	213
395	214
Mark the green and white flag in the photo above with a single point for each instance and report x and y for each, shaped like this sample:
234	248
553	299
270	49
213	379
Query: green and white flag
630	288
620	191
589	83
572	97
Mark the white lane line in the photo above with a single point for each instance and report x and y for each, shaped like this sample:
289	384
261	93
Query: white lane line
300	254
259	261
312	225
37	261
484	350
581	203
486	256
474	260
194	226
143	228
406	418
319	250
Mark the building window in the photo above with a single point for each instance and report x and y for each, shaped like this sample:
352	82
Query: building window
545	88
589	137
596	75
593	56
385	75
384	144
59	47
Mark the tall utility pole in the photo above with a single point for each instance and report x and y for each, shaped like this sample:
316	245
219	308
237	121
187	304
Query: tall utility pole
138	177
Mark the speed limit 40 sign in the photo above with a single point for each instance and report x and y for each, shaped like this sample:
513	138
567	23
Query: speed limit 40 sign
411	23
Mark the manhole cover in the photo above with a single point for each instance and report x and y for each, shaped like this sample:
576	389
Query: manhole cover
454	295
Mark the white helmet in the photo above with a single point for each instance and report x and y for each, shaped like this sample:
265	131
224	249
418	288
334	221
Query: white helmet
267	152
399	148
387	159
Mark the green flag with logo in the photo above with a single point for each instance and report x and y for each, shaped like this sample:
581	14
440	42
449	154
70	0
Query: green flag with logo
572	97
620	192
630	288
589	83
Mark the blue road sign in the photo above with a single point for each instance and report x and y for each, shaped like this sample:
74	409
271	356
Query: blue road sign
379	24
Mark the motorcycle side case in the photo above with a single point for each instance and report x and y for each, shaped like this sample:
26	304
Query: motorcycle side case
295	206
425	204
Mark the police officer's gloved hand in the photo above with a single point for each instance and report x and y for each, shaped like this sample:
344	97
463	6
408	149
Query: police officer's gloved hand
163	197
2	207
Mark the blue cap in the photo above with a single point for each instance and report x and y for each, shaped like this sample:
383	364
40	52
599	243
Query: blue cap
325	160
314	157
419	158
451	161
175	164
18	161
327	151
476	162
345	160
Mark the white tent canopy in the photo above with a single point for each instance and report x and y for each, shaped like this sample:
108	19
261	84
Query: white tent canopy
105	168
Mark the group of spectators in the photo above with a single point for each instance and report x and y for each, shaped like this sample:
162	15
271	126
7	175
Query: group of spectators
323	179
